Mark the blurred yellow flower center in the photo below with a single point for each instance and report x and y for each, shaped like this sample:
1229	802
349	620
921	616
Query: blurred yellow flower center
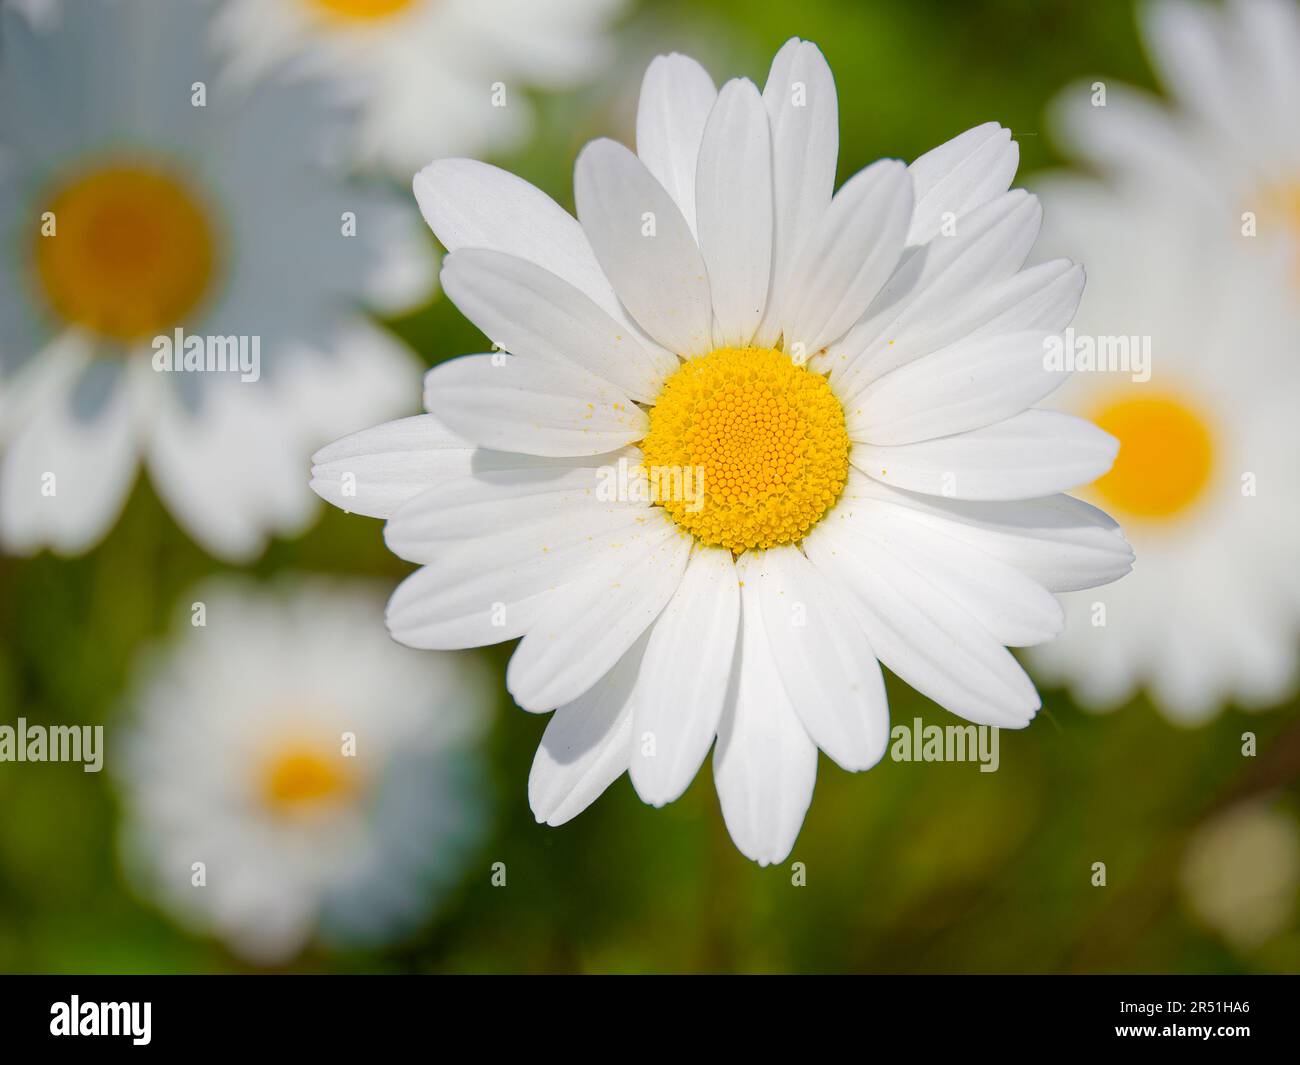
1166	456
298	777
125	251
361	10
1286	200
764	440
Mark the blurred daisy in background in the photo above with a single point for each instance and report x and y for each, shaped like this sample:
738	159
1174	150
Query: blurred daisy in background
1226	149
852	375
435	77
140	194
1205	484
325	778
1240	873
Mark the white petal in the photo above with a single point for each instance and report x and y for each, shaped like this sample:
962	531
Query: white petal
677	95
501	493
586	746
65	477
364	376
495	588
404	278
734	200
1134	134
1042	297
45	378
469	204
375	471
215	509
684	677
1270	42
804	111
1012	608
1062	543
588	625
764	764
232	472
644	246
967	385
1187	44
822	655
530	311
920	633
990	244
1037	453
849	256
510	403
960	175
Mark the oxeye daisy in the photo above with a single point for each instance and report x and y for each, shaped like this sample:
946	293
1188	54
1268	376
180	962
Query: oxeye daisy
1224	150
433	77
829	398
1191	319
290	775
156	220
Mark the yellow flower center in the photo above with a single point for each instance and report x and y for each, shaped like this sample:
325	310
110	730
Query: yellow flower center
125	251
302	776
758	441
362	10
1166	456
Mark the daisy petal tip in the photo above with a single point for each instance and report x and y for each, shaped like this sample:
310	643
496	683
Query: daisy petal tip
667	59
531	704
808	47
601	147
543	808
1107	449
548	818
1126	557
650	790
530	701
770	857
551	806
326	489
869	760
425	184
395	630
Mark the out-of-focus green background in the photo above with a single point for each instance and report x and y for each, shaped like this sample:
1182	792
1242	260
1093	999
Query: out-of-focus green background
931	867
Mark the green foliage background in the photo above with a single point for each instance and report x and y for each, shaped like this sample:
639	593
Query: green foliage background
910	868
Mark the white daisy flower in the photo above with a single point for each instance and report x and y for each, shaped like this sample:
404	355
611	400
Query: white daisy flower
291	774
1227	151
435	77
853	387
1205	483
141	195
